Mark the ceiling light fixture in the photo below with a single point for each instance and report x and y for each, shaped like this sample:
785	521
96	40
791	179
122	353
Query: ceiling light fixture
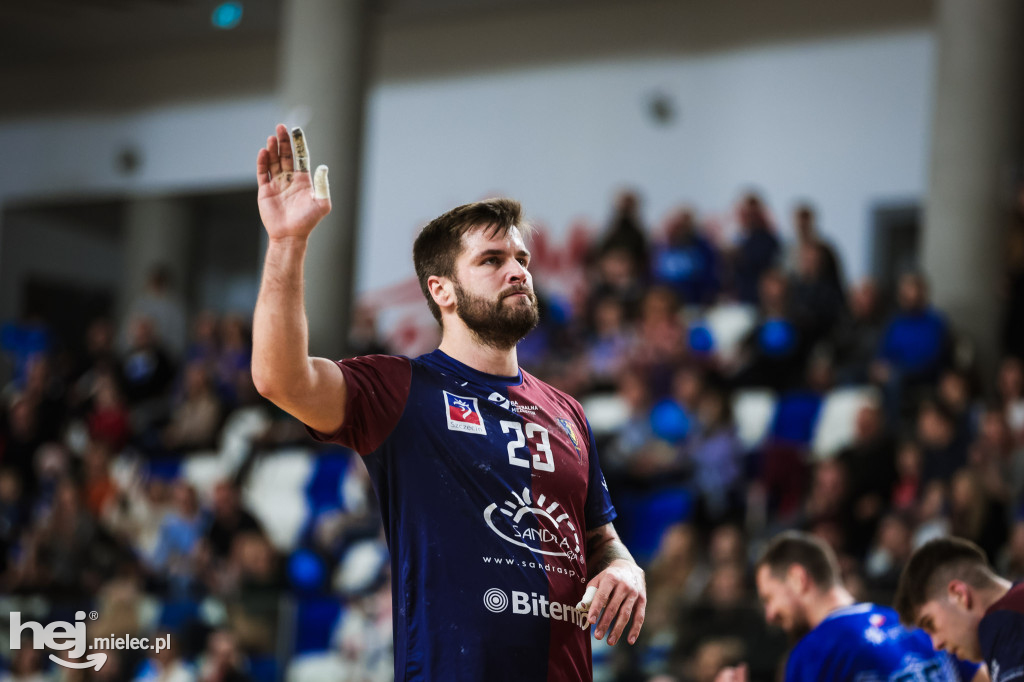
227	15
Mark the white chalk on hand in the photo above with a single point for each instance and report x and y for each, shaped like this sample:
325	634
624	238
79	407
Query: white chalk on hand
321	188
588	597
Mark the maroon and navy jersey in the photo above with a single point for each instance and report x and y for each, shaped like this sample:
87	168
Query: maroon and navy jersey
1001	634
487	486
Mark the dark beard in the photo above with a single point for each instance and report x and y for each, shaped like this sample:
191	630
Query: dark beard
797	632
495	323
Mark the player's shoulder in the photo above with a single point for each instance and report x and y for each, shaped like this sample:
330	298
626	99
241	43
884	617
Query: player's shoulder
831	634
533	385
838	642
377	360
1001	630
436	363
853	616
379	365
1012	601
854	624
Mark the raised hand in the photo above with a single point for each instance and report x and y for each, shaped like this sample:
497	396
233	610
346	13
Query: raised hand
291	203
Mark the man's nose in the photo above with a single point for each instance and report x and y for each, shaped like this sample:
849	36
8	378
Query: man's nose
517	273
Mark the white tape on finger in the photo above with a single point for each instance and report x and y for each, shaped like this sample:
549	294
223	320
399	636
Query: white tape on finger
588	598
321	188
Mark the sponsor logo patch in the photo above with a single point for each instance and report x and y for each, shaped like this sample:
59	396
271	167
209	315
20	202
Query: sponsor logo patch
463	414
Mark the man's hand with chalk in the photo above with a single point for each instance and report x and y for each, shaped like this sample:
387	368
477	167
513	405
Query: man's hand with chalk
618	593
291	202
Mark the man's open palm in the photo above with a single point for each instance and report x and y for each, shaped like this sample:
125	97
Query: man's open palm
290	205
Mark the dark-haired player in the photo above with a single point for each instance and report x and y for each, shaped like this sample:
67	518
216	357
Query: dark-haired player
949	590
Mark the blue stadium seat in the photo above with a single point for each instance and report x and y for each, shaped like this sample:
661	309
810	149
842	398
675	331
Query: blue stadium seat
315	621
323	492
178	615
644	517
795	417
263	669
165	468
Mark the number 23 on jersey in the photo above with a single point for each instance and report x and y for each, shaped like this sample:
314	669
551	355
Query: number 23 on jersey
539	448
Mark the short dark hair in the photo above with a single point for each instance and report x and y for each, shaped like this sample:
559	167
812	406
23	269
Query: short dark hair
439	243
932	566
804	550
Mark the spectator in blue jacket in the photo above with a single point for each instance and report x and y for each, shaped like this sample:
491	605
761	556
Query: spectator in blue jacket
916	339
686	261
915	344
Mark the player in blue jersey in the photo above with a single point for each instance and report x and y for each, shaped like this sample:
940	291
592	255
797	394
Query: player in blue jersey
839	640
493	502
948	589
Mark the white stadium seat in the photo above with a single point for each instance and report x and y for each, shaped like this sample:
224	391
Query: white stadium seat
838	419
606	412
728	324
276	494
752	411
204	471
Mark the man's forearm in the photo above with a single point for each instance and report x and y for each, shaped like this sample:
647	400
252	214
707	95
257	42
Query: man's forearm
602	550
280	343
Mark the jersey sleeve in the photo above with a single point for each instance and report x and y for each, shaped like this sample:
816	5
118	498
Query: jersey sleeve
599	509
376	391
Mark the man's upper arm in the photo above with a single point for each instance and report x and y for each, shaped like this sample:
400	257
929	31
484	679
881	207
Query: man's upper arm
370	400
319	400
323	408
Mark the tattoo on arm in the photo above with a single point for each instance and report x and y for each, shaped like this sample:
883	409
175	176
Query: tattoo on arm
603	548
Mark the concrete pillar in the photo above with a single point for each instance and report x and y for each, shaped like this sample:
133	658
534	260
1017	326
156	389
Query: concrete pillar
157	231
323	76
975	143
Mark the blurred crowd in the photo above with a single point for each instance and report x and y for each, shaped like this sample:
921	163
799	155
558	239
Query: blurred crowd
708	366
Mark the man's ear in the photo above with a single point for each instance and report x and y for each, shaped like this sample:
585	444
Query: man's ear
441	290
960	593
797	578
